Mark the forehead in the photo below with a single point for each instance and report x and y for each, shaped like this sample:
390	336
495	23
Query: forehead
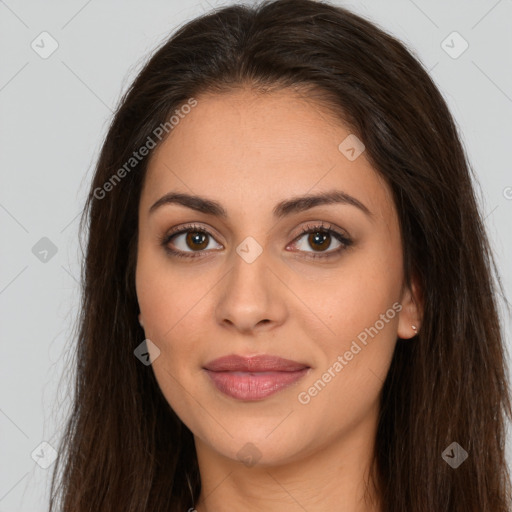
257	149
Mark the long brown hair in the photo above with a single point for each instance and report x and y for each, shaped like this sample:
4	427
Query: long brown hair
124	448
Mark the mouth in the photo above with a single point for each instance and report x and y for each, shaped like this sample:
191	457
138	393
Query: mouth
254	378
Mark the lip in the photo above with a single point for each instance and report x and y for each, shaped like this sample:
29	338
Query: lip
254	378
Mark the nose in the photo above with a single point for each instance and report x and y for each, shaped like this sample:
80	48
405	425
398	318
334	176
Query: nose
251	296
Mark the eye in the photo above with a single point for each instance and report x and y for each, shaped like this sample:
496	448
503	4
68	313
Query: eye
186	237
321	237
190	239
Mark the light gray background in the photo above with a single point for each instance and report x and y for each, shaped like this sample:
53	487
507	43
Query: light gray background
54	113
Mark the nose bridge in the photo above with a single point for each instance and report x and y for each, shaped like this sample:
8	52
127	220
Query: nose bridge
249	294
249	276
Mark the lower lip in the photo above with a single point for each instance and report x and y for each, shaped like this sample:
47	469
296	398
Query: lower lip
255	385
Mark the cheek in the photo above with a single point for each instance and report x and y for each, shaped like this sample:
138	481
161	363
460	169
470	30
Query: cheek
169	298
352	297
354	361
170	307
174	303
359	307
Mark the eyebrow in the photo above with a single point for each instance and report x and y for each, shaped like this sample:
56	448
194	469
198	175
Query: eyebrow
282	209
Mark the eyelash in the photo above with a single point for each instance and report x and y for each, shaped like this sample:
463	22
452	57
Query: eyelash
324	228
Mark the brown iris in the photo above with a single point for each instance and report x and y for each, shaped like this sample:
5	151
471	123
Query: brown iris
195	237
319	238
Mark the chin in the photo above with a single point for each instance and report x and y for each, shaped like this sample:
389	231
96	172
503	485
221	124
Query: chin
261	445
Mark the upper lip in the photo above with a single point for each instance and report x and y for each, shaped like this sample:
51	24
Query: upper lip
258	363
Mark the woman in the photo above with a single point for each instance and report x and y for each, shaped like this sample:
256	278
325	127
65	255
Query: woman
289	298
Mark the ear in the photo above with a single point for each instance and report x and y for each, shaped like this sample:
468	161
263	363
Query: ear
140	320
411	313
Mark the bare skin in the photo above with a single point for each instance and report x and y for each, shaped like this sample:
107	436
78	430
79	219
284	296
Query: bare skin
306	450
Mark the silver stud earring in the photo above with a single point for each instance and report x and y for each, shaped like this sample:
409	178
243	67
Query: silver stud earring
414	328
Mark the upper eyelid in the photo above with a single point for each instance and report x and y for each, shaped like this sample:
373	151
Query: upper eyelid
189	227
324	225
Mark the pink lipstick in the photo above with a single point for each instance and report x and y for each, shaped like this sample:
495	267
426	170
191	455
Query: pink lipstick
254	378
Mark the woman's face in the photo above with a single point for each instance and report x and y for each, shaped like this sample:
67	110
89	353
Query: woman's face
330	299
